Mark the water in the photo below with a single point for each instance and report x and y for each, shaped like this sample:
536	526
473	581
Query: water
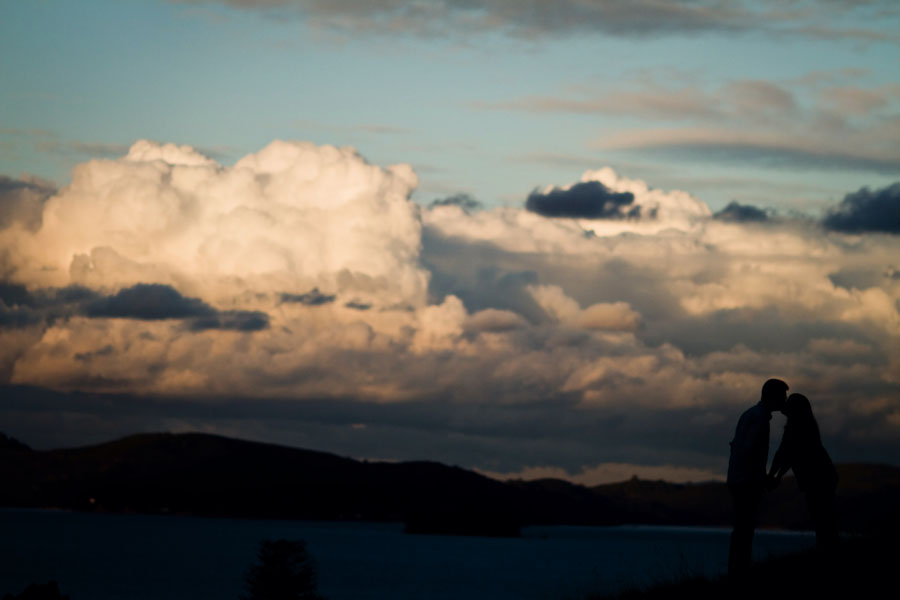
141	557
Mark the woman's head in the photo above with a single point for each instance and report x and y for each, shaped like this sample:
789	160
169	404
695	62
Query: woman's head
799	413
797	405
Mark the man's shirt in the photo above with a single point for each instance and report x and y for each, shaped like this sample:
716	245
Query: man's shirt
750	448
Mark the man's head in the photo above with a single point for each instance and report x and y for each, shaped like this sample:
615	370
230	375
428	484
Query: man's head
774	394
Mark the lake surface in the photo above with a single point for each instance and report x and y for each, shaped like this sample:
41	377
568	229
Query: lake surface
138	557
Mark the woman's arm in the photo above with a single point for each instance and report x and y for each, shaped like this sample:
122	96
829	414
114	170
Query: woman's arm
781	463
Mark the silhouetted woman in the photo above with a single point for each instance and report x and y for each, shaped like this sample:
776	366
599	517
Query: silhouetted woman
801	449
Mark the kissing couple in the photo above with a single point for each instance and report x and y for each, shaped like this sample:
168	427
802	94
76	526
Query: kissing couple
801	451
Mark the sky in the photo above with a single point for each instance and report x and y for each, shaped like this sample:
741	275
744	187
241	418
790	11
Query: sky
565	239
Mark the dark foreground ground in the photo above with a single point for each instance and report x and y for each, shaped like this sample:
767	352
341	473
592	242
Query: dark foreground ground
858	568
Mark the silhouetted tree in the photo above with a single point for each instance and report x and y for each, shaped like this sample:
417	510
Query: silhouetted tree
286	571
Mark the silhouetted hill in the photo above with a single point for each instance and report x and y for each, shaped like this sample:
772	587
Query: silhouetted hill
200	474
867	499
8	443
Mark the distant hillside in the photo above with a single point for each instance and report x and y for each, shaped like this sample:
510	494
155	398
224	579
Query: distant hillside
200	474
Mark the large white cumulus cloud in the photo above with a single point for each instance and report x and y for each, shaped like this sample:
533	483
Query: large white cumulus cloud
287	219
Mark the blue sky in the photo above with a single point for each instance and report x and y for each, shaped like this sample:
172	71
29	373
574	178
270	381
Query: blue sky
486	110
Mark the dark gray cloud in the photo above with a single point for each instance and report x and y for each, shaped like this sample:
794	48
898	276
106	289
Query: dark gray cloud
586	200
13	294
12	317
311	298
867	211
154	301
741	213
72	294
462	200
358	305
20	307
150	302
22	201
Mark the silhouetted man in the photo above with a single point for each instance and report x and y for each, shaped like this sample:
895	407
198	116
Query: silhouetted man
747	471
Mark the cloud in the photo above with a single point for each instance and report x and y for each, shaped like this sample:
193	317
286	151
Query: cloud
847	33
654	103
770	149
149	302
659	209
17	316
613	316
758	98
153	302
638	18
358	305
857	101
495	320
383	129
599	194
12	294
21	307
462	200
231	320
737	104
285	220
301	291
741	213
22	201
77	148
311	298
815	124
867	211
586	200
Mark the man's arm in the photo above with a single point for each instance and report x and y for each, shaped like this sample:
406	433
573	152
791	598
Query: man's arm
781	463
